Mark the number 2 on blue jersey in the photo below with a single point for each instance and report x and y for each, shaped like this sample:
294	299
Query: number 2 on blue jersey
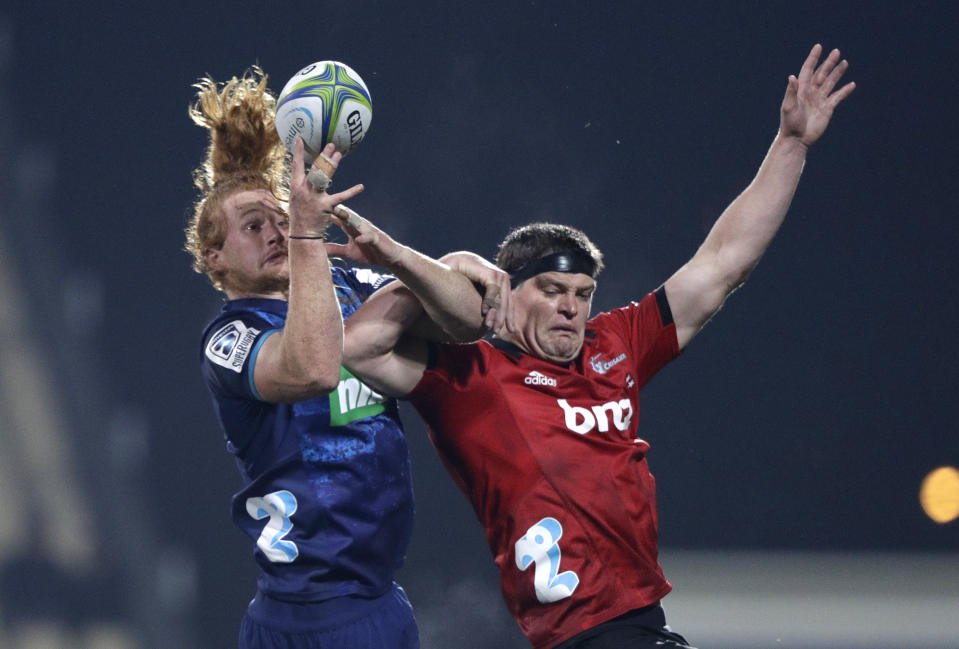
278	506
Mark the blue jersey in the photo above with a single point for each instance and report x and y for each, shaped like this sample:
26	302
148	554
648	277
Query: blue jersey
327	493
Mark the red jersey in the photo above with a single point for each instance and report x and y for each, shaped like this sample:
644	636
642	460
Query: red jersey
549	458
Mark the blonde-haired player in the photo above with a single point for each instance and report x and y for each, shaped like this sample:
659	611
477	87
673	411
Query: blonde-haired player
327	494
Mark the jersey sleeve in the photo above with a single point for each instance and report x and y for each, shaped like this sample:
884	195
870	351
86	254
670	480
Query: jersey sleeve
648	330
448	363
363	282
230	349
451	398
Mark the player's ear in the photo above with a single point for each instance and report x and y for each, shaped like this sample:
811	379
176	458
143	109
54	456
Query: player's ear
213	257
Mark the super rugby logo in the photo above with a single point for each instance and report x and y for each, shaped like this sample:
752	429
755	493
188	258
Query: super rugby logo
231	344
582	420
537	378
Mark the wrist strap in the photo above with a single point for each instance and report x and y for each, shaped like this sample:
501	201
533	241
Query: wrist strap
304	236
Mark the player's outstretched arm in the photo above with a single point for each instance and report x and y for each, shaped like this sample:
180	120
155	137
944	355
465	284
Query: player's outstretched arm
745	229
385	342
377	347
465	302
303	359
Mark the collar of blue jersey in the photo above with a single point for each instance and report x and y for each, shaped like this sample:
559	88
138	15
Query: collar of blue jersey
559	262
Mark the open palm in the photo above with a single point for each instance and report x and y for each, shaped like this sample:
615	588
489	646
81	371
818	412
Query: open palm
810	101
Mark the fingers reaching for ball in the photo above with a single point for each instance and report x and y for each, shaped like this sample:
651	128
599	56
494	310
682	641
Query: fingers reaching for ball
348	217
366	244
311	207
323	167
358	229
335	202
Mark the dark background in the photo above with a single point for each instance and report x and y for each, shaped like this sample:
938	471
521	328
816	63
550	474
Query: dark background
803	418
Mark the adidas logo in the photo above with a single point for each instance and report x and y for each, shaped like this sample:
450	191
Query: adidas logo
536	378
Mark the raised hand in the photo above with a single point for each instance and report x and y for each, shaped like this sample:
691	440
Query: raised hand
310	208
367	243
810	101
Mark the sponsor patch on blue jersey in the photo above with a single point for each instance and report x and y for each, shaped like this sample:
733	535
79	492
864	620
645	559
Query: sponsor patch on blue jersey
353	400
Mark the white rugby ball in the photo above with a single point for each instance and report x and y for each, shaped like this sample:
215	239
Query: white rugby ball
326	101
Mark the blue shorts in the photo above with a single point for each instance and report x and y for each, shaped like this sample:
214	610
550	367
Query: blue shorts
385	622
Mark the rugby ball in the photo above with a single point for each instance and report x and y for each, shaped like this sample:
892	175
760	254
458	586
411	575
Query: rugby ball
326	101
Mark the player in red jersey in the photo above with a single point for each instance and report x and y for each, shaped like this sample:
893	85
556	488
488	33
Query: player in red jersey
539	427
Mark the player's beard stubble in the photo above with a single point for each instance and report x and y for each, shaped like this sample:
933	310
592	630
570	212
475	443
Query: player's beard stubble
259	285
